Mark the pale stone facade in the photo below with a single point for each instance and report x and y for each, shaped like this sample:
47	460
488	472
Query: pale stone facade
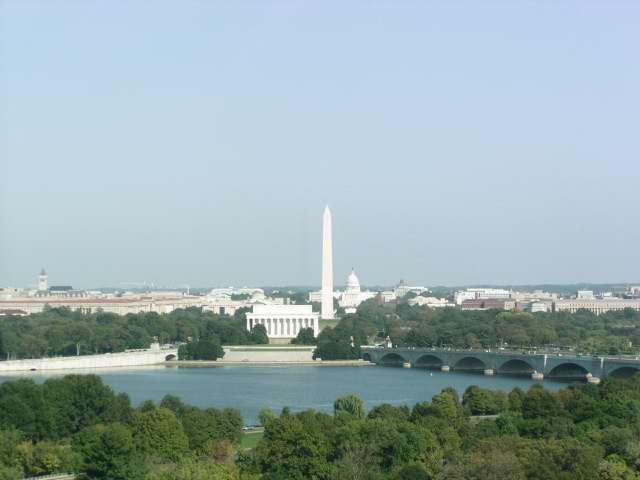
595	305
353	295
131	358
283	322
326	308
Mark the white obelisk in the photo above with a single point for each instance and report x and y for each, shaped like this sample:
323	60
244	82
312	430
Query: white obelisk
326	311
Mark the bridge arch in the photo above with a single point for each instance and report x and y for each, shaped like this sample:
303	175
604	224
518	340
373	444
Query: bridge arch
516	367
392	360
429	361
568	371
366	357
470	364
170	357
624	372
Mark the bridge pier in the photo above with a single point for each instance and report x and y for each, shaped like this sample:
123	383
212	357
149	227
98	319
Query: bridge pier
445	368
489	372
406	365
537	376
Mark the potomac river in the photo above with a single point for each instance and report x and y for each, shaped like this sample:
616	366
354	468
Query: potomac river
299	387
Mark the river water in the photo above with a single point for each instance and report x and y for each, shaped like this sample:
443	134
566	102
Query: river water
251	388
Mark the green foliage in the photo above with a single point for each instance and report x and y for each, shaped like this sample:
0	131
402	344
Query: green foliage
201	350
259	335
60	407
109	453
305	337
266	415
481	401
296	447
205	426
189	469
159	433
60	331
350	404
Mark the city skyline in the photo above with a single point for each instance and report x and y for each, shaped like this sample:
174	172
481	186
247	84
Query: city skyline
456	146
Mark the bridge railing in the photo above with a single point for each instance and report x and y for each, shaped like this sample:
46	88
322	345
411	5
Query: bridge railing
548	353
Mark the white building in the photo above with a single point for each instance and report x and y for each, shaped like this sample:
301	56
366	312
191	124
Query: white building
283	322
595	305
43	281
540	306
326	303
586	294
432	302
402	289
353	295
481	294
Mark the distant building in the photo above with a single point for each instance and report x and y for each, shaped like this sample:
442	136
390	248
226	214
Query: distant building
596	305
43	281
432	302
402	289
350	298
283	322
633	292
480	294
353	295
488	304
585	294
536	307
164	302
13	312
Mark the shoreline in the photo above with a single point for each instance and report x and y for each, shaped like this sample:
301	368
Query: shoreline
223	363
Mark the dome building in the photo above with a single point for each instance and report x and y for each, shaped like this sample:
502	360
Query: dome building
353	295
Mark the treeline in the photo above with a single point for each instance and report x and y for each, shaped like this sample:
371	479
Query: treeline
584	432
60	331
77	424
611	333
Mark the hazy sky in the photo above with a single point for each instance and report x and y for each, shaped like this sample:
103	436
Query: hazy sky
197	142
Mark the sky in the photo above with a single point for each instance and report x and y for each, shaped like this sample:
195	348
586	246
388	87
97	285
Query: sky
198	142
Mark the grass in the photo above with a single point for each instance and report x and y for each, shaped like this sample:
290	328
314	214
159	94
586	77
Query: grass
250	439
328	323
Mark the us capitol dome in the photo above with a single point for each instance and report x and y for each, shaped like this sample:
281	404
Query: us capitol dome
352	295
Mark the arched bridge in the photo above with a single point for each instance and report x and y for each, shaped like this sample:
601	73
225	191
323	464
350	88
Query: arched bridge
501	362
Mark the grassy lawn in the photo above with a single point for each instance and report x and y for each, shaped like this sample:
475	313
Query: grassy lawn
250	439
328	323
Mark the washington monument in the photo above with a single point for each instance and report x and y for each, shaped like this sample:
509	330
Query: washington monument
326	311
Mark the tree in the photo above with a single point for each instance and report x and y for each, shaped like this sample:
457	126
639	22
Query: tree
201	350
259	334
480	401
391	412
614	468
159	433
79	401
305	337
10	464
175	404
540	403
351	404
109	453
205	426
296	447
189	469
23	406
266	415
412	472
494	464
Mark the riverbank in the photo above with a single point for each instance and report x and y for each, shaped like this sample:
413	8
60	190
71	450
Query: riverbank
258	363
155	355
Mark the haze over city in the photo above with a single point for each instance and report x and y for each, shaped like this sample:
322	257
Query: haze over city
198	143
